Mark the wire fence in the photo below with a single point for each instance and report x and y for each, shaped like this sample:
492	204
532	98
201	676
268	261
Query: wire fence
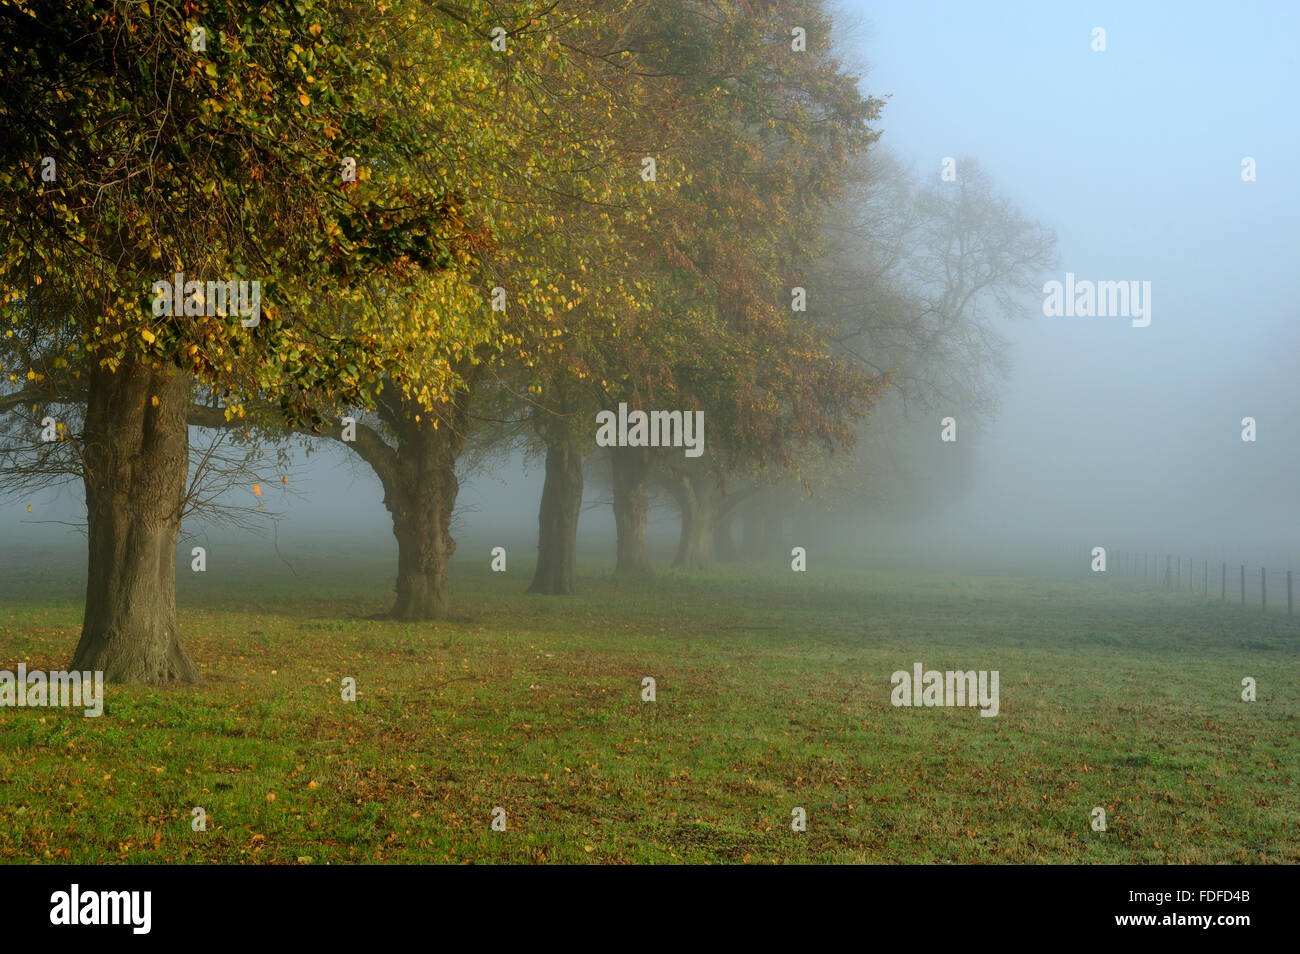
1267	589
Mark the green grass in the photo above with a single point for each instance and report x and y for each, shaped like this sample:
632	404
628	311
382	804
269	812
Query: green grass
773	692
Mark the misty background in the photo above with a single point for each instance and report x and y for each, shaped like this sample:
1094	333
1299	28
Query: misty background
1107	433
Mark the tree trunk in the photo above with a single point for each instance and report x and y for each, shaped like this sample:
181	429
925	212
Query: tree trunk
631	504
695	500
557	518
420	490
136	474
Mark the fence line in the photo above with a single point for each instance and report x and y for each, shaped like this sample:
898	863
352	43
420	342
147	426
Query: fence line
1146	568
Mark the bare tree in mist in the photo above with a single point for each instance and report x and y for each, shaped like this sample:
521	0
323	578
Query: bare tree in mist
913	283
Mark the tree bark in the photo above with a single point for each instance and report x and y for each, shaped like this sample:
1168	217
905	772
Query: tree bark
136	475
706	517
631	505
420	488
557	517
694	496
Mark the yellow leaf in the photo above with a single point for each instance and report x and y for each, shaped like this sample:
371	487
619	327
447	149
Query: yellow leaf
148	336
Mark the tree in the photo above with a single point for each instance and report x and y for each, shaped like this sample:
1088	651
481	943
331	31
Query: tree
211	146
910	287
631	469
531	140
750	139
918	273
534	144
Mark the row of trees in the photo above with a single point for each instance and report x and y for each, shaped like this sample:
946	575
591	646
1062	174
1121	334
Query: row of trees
470	221
913	278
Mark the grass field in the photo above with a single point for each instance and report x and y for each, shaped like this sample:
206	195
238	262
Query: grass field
773	692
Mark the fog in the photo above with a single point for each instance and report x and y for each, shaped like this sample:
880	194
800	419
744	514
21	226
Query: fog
1107	433
1110	432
